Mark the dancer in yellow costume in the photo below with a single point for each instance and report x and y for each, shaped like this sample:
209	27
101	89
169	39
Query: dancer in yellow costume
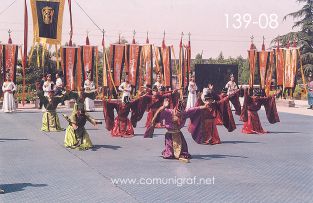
76	135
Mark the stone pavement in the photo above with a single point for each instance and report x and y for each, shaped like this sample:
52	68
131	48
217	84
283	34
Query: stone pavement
276	167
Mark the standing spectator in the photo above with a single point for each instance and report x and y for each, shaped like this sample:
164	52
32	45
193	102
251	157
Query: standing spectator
58	84
310	91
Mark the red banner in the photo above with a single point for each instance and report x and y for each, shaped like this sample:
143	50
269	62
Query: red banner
263	55
269	72
252	62
147	56
188	64
280	66
117	56
70	66
10	60
182	65
133	63
167	66
88	55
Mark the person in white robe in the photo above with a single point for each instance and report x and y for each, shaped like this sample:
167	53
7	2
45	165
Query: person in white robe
89	86
192	93
8	89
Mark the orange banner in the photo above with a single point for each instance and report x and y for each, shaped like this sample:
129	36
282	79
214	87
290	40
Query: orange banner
147	56
10	60
134	51
69	62
291	57
167	66
252	62
263	55
280	66
88	56
117	56
269	72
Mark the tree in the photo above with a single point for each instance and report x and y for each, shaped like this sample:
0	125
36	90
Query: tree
304	22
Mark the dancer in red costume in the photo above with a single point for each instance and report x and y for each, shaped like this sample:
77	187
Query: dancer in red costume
203	126
249	113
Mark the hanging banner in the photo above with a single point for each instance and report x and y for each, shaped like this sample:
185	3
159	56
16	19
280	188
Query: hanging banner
182	66
70	67
147	57
134	57
1	63
188	64
9	60
47	20
87	60
117	52
252	62
263	56
269	73
291	60
280	66
167	66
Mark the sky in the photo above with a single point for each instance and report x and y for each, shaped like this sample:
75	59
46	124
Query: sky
206	20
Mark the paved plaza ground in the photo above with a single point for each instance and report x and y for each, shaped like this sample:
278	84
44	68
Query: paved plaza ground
276	167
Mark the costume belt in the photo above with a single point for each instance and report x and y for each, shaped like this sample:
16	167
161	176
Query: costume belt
173	131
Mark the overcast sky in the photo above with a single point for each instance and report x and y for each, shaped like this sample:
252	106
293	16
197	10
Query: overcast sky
204	19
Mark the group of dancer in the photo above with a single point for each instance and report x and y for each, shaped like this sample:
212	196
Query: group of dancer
165	109
206	110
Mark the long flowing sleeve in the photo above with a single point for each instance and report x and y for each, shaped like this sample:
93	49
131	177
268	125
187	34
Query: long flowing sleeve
138	109
90	118
244	110
108	112
226	114
91	95
271	110
160	115
195	126
234	99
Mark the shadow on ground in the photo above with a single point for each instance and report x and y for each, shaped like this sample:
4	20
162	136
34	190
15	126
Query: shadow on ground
215	156
97	147
17	187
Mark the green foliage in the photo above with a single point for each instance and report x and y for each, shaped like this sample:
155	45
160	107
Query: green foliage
304	22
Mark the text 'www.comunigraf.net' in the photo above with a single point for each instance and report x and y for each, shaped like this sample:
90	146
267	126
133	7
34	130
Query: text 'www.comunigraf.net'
178	181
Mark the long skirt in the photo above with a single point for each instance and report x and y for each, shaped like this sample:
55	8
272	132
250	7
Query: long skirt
191	100
218	119
210	132
150	117
253	125
89	104
50	122
71	136
122	128
8	104
310	98
175	146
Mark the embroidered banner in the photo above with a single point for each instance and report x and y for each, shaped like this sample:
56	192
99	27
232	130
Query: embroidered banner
47	20
87	60
291	56
69	66
252	62
188	64
263	56
167	66
9	57
279	66
117	52
147	56
134	57
182	65
269	72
